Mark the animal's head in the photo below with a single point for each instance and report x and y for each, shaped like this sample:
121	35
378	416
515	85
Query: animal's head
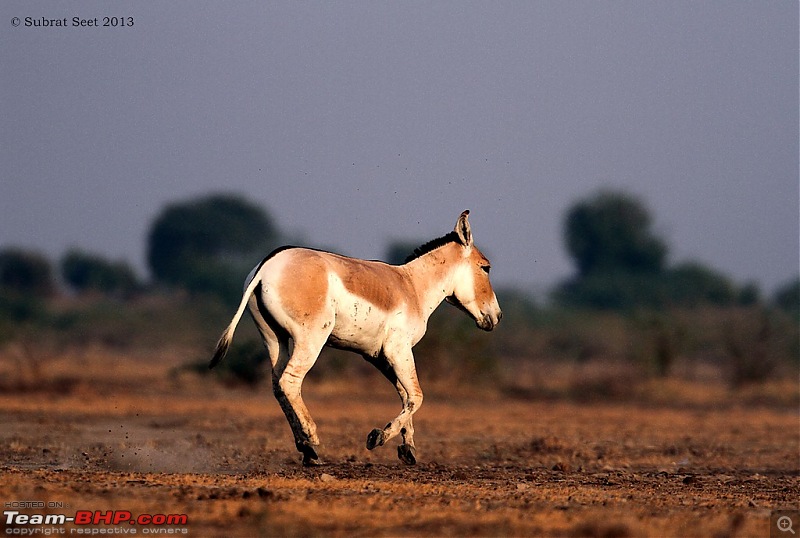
472	290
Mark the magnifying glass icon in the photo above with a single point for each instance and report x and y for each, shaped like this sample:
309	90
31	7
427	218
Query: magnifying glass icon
785	524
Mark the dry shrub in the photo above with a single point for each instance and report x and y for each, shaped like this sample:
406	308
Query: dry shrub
605	381
28	366
748	342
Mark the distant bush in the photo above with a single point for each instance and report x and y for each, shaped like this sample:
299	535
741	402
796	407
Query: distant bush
25	272
611	291
689	285
244	364
17	314
787	297
692	284
750	345
454	350
86	272
25	284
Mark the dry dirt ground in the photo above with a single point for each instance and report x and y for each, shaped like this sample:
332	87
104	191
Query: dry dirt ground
97	431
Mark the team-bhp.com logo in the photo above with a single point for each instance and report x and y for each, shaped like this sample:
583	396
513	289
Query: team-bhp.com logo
89	521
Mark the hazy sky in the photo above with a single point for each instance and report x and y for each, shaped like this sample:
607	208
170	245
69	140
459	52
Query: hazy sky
356	122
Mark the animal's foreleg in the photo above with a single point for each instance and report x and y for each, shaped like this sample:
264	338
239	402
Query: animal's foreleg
404	370
406	451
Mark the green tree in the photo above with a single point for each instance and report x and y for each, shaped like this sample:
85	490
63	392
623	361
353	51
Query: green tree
209	244
25	272
621	263
619	260
610	232
691	284
89	272
26	280
787	297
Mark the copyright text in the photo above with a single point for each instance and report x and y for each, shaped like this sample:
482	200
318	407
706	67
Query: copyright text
74	22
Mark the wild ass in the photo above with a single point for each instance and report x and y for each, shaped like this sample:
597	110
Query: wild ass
380	311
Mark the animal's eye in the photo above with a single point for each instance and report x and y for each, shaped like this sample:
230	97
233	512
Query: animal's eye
486	268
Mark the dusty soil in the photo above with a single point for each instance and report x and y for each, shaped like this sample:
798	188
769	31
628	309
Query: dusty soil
100	431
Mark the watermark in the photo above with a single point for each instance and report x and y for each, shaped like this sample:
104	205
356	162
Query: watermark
784	523
57	521
120	21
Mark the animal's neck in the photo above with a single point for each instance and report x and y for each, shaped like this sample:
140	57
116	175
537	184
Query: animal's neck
432	277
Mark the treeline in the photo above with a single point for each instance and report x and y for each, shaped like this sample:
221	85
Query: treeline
30	273
205	246
621	264
625	303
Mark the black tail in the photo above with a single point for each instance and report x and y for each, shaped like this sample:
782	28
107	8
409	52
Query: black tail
222	348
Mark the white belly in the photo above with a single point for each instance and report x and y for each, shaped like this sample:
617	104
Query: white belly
359	325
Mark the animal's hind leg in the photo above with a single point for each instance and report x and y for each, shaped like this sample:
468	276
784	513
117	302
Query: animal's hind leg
288	371
400	368
286	383
273	336
406	451
276	340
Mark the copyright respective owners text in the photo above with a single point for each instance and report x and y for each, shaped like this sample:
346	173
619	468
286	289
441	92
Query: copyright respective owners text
37	518
75	22
784	523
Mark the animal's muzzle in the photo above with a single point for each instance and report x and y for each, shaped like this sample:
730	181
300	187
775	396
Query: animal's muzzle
489	321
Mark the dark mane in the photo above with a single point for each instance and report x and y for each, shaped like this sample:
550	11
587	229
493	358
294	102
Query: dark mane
452	237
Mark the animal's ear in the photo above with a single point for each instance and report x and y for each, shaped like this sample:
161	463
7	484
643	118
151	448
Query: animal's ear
463	230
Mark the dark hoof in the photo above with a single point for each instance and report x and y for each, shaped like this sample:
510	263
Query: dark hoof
309	461
407	454
310	457
375	438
